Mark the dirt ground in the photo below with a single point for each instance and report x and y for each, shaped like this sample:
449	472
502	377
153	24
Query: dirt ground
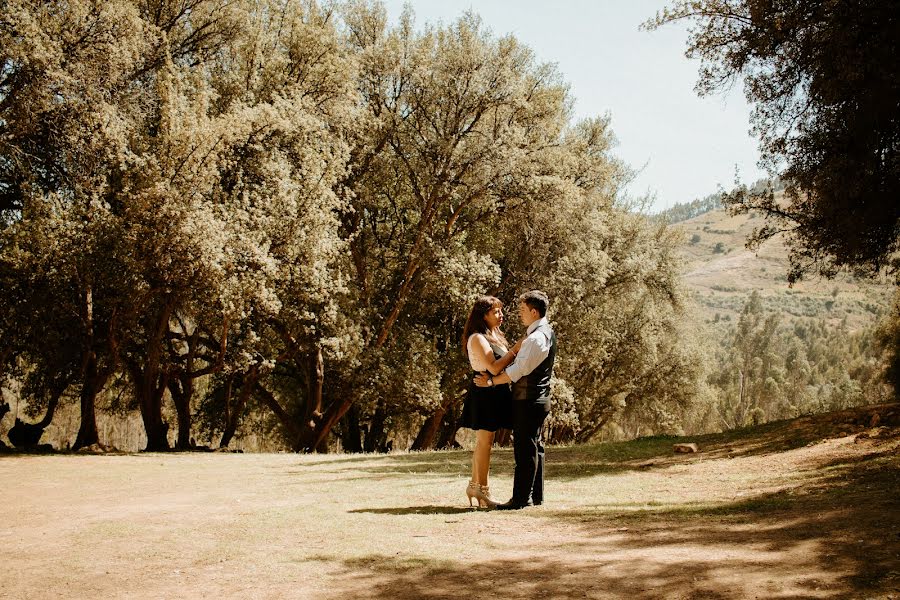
801	509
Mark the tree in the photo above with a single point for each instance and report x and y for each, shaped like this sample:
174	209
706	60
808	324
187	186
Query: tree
752	369
458	126
825	85
252	275
771	366
288	172
66	105
167	173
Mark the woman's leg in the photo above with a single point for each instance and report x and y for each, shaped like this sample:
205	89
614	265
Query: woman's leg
481	457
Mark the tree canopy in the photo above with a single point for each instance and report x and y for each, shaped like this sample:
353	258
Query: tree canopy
824	83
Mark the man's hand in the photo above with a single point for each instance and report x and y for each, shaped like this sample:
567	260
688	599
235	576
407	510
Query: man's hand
481	380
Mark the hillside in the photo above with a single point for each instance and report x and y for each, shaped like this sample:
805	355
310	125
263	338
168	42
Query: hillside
722	272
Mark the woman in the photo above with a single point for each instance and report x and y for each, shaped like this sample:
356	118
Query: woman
486	409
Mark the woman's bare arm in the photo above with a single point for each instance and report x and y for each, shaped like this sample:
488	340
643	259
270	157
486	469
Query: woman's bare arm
501	377
483	348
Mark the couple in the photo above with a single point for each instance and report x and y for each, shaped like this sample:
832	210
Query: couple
492	404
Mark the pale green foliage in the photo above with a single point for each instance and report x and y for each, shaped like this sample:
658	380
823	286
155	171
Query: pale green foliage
458	274
563	421
405	376
769	370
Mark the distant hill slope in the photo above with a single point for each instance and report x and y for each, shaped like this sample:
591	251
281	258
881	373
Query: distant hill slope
688	210
722	273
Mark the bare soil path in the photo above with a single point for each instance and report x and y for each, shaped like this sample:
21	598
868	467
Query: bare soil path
802	509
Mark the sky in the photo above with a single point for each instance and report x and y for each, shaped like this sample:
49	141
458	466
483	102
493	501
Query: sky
683	146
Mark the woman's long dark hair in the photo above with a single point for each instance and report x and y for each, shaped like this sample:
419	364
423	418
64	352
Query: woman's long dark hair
476	322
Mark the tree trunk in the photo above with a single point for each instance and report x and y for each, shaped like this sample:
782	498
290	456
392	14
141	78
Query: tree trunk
236	411
24	434
447	437
182	389
5	355
503	437
317	436
150	396
226	399
87	429
425	438
316	381
181	386
151	381
313	418
586	434
376	438
293	430
91	385
52	404
352	435
149	391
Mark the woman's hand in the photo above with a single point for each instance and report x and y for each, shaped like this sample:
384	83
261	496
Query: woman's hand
518	346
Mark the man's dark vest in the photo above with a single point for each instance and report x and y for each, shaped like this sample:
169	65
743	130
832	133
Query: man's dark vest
536	385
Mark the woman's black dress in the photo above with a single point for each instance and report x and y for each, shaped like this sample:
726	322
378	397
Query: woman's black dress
488	408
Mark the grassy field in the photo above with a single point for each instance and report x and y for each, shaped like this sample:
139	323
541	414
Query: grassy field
800	509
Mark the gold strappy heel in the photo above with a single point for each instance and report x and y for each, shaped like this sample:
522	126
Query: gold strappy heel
472	491
482	493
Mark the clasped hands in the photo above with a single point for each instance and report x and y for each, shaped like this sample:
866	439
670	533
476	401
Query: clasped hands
481	380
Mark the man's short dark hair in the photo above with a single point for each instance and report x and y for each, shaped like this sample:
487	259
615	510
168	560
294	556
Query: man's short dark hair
537	300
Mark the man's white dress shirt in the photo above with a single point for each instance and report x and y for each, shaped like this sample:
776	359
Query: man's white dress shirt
534	350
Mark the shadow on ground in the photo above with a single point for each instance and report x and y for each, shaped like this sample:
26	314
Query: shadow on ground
839	539
837	535
417	510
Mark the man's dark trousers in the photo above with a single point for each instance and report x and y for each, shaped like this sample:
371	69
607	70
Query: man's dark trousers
528	423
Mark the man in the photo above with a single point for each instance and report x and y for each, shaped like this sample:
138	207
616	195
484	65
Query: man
530	376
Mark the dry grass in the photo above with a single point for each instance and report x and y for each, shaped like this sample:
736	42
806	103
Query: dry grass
796	509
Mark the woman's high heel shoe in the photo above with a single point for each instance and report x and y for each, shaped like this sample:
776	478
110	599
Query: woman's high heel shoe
482	493
472	491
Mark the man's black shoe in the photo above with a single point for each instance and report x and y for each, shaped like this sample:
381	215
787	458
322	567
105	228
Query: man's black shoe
512	505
